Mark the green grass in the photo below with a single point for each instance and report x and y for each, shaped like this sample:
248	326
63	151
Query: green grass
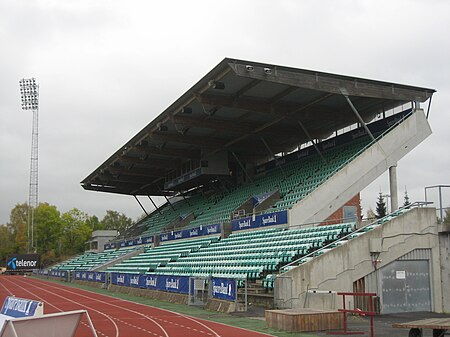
229	319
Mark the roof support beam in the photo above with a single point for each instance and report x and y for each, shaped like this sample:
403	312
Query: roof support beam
273	156
171	206
192	140
242	166
275	120
163	151
312	141
156	207
138	172
135	197
158	163
344	93
245	104
215	124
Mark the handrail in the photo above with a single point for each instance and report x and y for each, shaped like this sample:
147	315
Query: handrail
416	204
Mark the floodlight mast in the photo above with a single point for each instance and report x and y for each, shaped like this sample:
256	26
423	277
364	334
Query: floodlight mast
29	90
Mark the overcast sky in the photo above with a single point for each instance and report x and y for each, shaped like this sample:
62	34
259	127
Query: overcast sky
107	68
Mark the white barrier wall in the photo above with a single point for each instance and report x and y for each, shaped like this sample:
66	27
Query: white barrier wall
337	269
362	171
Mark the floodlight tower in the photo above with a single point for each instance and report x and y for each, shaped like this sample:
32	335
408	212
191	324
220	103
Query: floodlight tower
29	91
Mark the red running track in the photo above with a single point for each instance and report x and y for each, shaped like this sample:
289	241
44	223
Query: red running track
113	317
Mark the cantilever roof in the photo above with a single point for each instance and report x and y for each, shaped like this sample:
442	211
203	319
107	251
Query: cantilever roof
244	107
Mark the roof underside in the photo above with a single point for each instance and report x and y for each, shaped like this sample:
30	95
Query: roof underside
248	108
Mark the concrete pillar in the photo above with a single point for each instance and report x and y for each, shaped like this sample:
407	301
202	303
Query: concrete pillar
393	187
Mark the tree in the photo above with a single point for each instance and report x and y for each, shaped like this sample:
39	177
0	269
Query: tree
406	202
380	210
75	231
48	232
18	225
94	223
371	214
117	221
6	244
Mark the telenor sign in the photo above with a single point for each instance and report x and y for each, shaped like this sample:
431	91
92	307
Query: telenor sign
22	262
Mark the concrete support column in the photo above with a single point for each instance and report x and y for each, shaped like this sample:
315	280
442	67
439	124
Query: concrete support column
393	187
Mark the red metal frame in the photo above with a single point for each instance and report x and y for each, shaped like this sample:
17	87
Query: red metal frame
344	310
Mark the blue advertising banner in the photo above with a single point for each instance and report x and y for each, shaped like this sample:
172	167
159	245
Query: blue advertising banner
224	288
58	273
91	276
128	243
151	282
262	220
138	281
19	307
191	233
120	279
178	284
100	277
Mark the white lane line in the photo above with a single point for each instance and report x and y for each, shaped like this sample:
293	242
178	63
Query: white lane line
214	333
83	305
117	306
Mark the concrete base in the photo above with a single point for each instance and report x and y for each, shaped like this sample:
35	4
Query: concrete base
304	320
220	306
157	295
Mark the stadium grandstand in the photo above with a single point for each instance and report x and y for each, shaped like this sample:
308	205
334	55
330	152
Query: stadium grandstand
261	167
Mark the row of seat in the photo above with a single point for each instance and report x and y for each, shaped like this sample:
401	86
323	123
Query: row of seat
152	258
265	250
91	260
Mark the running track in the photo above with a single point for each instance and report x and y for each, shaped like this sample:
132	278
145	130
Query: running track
114	317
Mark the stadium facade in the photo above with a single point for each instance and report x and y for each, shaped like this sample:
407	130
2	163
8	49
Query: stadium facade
261	167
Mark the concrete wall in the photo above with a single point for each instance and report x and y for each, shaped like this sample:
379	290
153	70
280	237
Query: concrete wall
364	169
337	269
444	242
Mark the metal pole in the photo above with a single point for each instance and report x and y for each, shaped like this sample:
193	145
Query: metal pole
140	205
273	156
440	203
245	298
157	208
171	206
29	90
242	166
312	141
429	105
371	315
358	116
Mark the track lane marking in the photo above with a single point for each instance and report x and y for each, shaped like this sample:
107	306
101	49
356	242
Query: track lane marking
214	333
115	325
97	300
